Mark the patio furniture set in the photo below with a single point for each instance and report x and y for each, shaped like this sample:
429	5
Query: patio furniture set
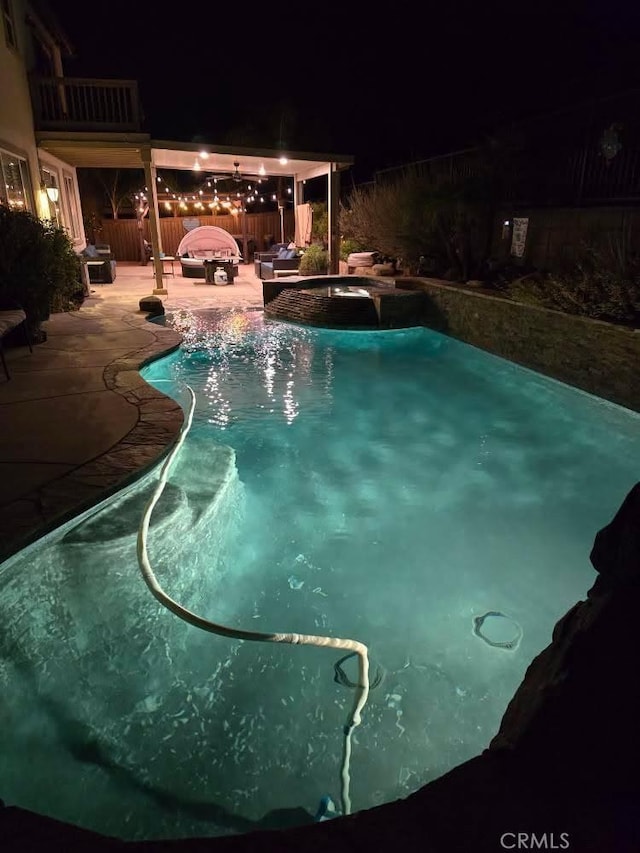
206	252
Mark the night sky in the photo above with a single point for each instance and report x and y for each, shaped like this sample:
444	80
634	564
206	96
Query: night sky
384	84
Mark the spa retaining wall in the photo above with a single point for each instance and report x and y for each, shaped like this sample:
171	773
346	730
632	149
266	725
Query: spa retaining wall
598	357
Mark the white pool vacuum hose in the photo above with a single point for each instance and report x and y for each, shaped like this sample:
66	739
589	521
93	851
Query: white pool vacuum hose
362	688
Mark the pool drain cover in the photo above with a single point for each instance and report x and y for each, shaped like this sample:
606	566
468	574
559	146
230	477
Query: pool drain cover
498	630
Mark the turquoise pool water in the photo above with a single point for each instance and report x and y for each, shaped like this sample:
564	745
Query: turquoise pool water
385	486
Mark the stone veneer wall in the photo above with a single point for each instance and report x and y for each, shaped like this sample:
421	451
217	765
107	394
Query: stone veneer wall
386	309
598	357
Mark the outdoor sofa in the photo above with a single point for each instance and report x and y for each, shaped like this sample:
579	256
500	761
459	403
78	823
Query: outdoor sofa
207	243
284	261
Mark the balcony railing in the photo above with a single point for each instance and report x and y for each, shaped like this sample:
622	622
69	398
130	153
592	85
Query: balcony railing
71	103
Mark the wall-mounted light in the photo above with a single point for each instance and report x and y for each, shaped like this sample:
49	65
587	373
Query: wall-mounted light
52	192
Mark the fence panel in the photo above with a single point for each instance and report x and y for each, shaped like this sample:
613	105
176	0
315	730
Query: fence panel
123	235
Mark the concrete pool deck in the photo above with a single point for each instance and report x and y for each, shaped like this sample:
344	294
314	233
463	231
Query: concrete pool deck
78	421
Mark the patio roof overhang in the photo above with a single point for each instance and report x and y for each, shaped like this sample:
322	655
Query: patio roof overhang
118	151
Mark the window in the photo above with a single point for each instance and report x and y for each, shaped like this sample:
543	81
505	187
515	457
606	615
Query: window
74	219
9	24
14	188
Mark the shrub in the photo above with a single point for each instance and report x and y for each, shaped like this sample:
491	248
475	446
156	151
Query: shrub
320	223
314	261
348	245
38	266
418	214
602	283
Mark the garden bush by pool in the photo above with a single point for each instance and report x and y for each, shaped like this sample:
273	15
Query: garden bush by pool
394	487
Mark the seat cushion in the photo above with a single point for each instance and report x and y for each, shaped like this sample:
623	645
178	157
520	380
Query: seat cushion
10	319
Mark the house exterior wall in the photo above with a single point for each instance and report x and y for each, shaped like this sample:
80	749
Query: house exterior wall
16	120
17	134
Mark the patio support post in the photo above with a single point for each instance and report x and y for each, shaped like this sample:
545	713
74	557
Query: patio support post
333	196
154	221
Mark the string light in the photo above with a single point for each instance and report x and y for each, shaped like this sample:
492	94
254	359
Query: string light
236	202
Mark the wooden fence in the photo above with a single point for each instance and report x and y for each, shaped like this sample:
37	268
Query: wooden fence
123	235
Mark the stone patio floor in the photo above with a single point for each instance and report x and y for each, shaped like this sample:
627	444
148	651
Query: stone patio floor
78	422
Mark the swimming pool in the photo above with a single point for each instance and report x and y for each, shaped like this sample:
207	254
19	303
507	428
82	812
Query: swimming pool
387	486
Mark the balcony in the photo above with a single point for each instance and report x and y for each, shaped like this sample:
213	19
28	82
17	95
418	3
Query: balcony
80	104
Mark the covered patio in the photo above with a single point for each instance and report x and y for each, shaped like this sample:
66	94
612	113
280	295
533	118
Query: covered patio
138	151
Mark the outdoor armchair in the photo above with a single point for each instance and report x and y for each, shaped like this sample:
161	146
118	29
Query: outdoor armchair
278	267
100	264
284	262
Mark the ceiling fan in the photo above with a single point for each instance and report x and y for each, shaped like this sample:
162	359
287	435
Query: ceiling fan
236	176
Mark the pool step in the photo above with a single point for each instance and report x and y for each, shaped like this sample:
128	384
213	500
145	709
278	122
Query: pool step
179	508
120	520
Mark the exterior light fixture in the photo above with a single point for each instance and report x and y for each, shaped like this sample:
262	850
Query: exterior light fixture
283	161
52	192
262	170
204	155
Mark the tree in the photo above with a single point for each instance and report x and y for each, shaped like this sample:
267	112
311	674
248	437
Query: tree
119	186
